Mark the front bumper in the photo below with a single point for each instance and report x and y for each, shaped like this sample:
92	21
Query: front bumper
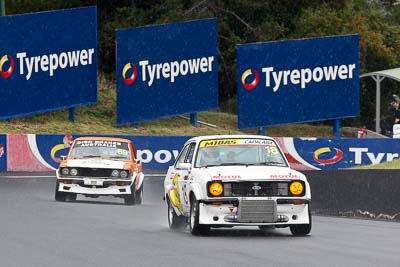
220	212
78	186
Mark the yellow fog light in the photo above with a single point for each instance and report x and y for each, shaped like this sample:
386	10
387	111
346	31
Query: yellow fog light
296	188
216	189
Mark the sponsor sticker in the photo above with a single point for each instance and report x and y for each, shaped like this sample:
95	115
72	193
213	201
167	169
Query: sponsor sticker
98	143
284	176
232	142
222	177
219	142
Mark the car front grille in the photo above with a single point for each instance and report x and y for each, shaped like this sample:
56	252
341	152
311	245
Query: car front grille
90	172
257	211
256	189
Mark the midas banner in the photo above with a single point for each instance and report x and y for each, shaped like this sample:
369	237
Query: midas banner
41	153
297	81
166	70
48	61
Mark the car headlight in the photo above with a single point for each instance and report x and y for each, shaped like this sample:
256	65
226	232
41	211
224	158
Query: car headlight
115	173
74	172
296	188
123	174
64	171
216	189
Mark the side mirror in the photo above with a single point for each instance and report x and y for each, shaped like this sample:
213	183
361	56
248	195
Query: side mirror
63	157
137	161
184	166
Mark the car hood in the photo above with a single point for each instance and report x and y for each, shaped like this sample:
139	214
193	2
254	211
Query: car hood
96	163
251	173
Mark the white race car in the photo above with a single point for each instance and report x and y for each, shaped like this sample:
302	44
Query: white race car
98	166
236	180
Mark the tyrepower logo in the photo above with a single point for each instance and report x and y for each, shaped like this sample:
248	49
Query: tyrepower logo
325	155
150	72
4	71
28	64
276	79
129	73
254	83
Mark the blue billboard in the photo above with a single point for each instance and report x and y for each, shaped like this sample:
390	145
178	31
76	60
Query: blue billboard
297	81
166	70
48	61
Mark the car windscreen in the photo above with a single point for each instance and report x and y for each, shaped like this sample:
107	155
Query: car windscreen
225	152
100	149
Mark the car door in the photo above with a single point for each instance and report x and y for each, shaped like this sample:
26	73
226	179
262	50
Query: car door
183	175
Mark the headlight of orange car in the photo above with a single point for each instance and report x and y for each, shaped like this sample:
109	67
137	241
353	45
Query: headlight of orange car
296	188
64	171
216	189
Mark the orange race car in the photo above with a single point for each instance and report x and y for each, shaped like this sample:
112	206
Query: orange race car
98	166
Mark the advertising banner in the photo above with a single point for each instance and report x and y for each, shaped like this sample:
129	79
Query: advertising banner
48	61
166	70
40	153
297	81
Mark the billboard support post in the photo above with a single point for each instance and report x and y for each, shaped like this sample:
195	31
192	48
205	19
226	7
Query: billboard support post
378	79
3	7
71	114
336	128
193	119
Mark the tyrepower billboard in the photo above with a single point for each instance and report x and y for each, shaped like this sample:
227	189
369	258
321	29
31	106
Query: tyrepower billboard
297	81
48	61
166	70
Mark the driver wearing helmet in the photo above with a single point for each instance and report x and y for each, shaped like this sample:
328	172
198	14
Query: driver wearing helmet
211	156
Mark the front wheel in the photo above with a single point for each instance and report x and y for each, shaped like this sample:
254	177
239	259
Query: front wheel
174	220
194	226
59	196
131	199
302	229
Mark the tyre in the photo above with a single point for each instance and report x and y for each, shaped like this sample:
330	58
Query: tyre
302	229
70	197
131	199
139	196
194	226
59	196
175	221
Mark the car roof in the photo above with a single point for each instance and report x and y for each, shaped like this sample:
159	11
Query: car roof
115	139
229	136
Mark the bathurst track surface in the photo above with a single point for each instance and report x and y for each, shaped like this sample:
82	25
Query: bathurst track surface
35	230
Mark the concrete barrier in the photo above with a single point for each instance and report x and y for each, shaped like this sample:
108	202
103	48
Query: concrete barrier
362	193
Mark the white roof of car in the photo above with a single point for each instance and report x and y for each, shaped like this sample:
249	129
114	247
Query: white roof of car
207	137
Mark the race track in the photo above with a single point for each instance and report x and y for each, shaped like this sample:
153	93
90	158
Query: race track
37	231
